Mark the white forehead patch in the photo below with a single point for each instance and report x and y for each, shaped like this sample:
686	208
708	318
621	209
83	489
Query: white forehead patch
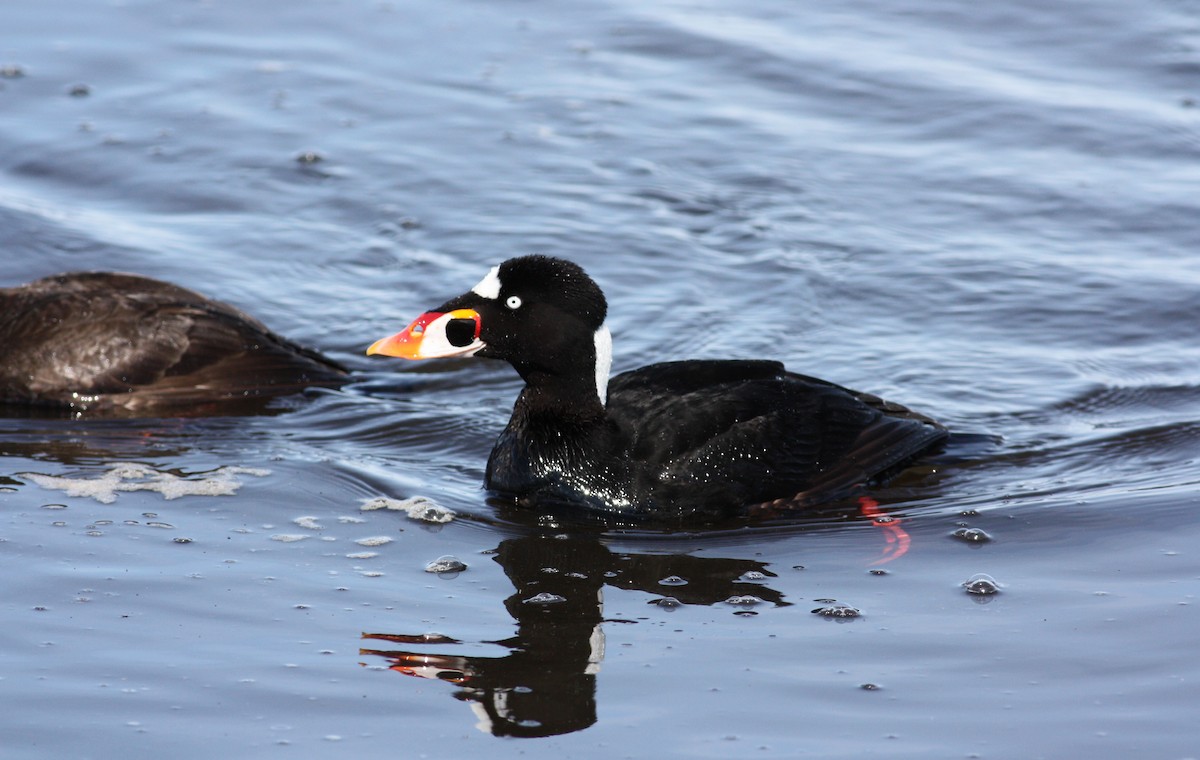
489	286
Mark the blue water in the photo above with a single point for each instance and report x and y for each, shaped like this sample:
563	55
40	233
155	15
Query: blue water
988	213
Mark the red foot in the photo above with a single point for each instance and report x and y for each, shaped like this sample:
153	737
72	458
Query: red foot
897	538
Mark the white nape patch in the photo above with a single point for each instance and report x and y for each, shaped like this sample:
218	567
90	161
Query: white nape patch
603	341
489	286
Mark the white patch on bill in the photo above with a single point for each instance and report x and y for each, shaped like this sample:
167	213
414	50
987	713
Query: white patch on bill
489	286
436	345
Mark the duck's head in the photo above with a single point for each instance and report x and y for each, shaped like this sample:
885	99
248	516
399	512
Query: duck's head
542	315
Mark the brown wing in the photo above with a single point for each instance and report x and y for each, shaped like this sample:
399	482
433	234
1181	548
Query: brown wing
105	339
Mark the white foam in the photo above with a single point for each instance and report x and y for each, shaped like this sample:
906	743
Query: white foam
308	523
140	477
375	541
416	507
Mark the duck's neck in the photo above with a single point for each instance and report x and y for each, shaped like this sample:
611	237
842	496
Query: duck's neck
577	394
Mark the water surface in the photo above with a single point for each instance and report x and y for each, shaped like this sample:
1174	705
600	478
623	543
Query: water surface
988	214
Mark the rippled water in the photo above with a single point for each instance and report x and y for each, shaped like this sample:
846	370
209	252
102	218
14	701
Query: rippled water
986	212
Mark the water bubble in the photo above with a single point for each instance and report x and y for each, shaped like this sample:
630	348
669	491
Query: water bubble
982	584
79	91
743	600
446	565
669	603
877	571
182	540
753	576
160	525
54	506
672	580
972	535
288	538
309	157
12	71
545	598
836	610
869	687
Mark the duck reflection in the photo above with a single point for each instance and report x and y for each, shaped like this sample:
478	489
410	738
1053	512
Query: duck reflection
546	684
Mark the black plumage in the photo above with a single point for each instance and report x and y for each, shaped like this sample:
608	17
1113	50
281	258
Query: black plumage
671	442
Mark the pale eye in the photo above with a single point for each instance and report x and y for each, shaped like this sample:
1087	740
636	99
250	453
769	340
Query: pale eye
513	302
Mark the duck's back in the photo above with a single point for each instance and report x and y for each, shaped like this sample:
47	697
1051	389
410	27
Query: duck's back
712	437
116	341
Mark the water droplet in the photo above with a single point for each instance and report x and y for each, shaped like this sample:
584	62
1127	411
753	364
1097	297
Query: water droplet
745	613
836	610
869	687
12	71
982	584
54	506
309	157
182	540
545	598
79	91
672	580
160	525
972	535
877	571
446	565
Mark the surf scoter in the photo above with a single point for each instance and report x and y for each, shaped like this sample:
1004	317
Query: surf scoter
109	343
676	441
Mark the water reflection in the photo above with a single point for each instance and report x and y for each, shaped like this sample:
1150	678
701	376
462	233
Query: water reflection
546	684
